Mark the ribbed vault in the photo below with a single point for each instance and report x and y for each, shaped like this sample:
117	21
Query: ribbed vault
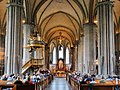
63	16
54	16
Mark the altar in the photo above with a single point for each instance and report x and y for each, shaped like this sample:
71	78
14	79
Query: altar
60	72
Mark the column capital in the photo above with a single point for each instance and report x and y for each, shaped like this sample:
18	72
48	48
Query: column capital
101	3
14	4
29	24
76	42
89	24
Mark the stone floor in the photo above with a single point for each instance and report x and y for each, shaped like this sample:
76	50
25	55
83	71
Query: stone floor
59	84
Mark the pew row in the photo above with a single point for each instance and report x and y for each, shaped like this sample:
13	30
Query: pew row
37	86
44	83
108	85
24	87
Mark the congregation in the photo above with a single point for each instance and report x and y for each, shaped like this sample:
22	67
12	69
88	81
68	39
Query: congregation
25	79
84	78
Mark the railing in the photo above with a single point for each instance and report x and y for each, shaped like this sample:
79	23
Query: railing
32	62
37	62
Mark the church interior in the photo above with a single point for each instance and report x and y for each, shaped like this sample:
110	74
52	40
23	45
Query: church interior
58	41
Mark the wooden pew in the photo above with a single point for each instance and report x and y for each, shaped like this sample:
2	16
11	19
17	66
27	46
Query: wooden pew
44	82
37	86
74	84
97	87
4	85
108	85
24	87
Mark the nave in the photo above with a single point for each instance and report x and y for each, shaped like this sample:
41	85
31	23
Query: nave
59	84
43	38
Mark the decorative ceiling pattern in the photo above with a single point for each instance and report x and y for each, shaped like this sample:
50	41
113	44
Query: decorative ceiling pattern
66	16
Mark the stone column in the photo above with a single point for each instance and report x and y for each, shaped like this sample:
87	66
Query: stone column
51	57
26	36
89	47
106	49
81	66
117	41
64	55
43	55
46	56
72	51
76	56
13	44
2	52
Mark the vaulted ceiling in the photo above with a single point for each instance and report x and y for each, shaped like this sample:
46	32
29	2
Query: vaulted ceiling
60	18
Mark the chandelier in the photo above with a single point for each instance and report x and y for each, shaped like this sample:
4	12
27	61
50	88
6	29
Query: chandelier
35	40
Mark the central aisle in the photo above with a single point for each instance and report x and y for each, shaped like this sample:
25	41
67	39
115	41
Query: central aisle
59	84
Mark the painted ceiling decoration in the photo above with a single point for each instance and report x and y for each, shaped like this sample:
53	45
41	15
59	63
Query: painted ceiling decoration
66	16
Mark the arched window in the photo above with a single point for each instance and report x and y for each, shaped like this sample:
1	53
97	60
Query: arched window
67	56
54	56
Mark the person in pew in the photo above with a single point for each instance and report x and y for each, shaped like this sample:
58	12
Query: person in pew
10	79
83	81
88	80
4	77
109	78
34	78
18	81
93	80
28	81
38	78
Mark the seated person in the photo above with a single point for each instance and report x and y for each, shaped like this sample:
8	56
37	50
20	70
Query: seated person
88	80
28	81
18	81
83	81
93	80
10	80
4	77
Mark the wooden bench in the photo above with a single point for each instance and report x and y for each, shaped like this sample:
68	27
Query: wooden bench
24	87
97	87
44	83
37	86
108	85
4	85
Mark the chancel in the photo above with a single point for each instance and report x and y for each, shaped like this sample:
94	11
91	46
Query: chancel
60	71
65	44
